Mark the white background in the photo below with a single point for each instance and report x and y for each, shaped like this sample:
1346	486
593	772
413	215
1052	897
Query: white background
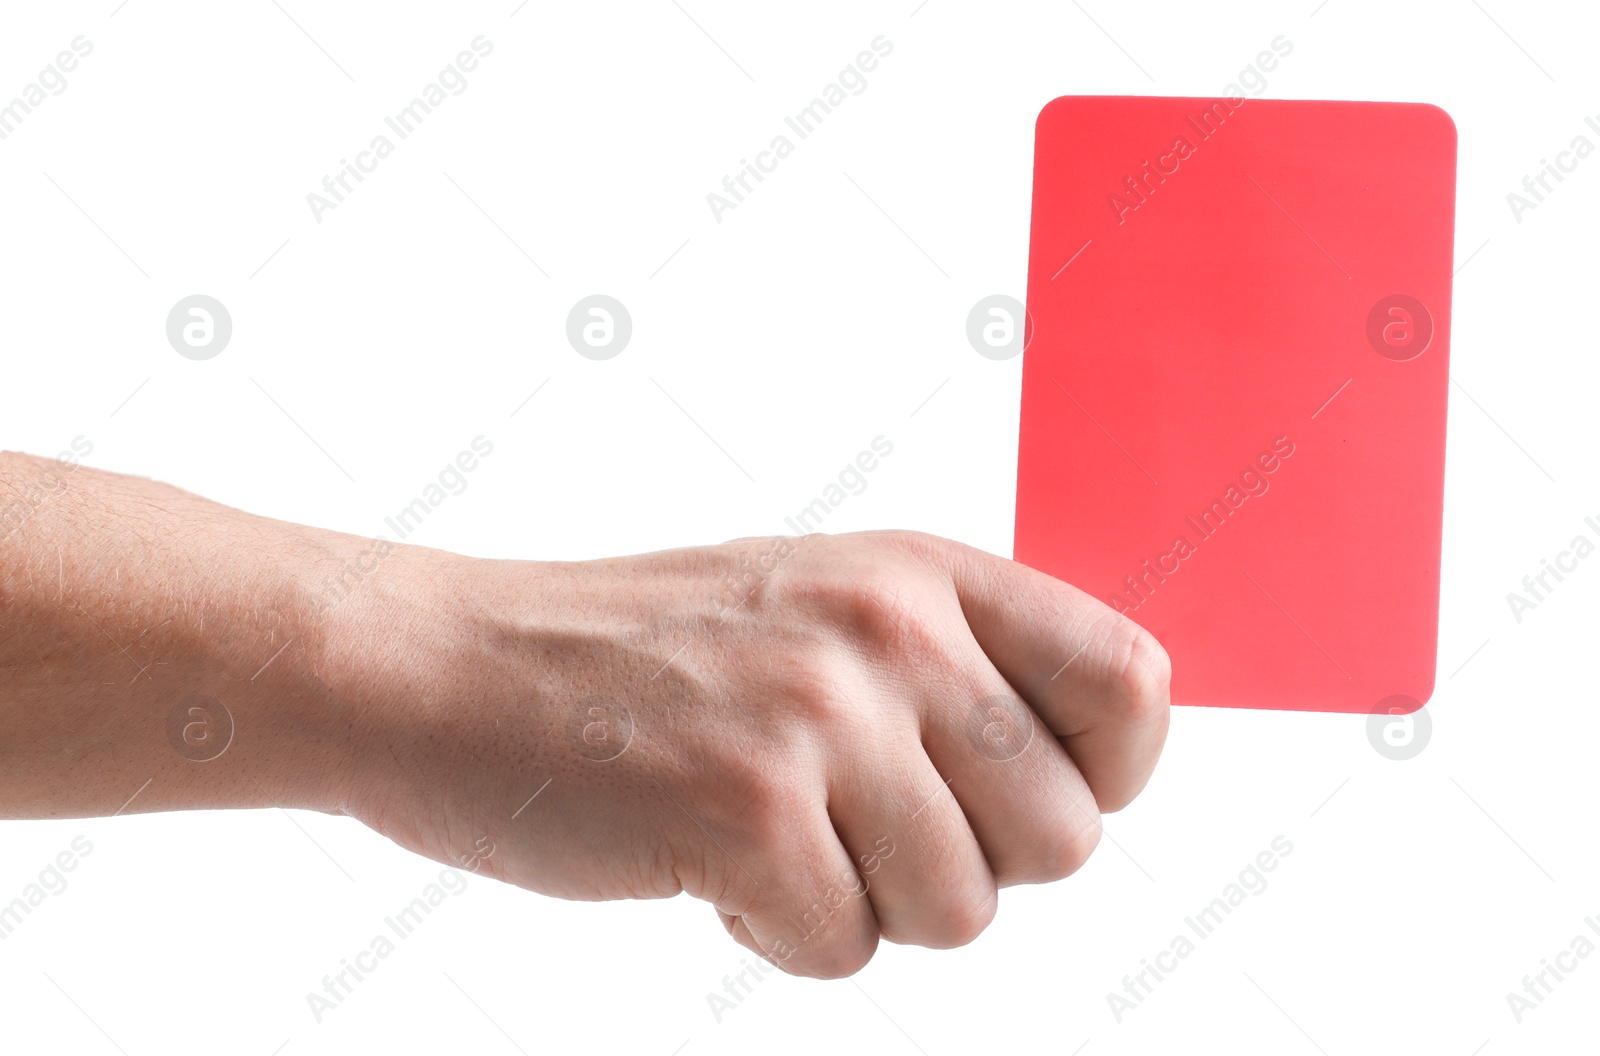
791	333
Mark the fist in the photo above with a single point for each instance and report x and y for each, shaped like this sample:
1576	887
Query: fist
832	739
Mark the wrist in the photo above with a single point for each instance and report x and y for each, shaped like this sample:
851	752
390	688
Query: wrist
408	651
256	657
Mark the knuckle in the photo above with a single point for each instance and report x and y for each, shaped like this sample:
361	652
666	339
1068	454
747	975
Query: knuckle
1144	674
704	873
817	696
767	815
881	609
826	932
754	801
751	569
832	960
1064	850
887	616
934	554
963	921
918	544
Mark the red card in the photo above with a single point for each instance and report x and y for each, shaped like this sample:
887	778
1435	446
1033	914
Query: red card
1234	387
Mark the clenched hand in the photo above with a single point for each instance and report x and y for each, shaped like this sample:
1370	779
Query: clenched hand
832	739
828	738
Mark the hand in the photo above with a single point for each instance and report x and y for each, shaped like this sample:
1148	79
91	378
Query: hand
828	738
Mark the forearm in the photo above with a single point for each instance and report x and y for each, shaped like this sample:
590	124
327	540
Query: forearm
131	615
599	729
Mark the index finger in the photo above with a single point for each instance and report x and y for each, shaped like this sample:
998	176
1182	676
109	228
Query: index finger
1099	681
